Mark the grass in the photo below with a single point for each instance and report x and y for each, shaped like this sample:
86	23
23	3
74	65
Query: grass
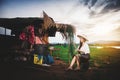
101	56
104	55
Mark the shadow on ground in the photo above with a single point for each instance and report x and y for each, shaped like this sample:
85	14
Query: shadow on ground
26	71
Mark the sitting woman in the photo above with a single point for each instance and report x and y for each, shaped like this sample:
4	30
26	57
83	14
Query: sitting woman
41	49
82	55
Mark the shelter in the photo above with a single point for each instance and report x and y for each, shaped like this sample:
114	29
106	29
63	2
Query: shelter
16	25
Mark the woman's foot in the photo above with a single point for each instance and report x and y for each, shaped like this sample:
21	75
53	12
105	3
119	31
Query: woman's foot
69	69
77	69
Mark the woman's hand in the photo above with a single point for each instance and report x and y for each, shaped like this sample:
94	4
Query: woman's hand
80	51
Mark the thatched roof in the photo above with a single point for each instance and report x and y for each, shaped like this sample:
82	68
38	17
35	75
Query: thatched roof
50	27
17	23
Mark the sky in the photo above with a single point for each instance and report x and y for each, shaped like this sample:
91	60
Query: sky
98	19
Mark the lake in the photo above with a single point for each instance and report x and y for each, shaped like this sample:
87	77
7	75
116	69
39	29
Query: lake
99	47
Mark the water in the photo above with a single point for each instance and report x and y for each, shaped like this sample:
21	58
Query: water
116	47
100	47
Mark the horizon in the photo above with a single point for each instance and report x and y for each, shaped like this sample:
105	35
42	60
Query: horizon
98	19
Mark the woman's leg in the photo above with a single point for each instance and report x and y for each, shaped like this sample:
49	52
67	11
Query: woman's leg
78	63
72	62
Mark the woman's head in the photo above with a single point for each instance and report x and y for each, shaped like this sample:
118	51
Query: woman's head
83	38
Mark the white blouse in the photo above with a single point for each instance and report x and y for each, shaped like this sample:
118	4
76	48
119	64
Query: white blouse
84	48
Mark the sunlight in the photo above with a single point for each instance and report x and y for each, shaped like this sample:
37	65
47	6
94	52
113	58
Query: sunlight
99	47
100	31
103	29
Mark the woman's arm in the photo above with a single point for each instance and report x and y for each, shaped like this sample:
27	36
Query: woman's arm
81	52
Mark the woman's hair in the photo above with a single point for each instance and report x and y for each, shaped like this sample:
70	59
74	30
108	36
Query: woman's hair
80	45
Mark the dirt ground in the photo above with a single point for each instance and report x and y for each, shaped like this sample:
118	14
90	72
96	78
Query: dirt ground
57	71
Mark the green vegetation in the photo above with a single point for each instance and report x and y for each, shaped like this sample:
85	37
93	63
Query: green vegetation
101	56
104	56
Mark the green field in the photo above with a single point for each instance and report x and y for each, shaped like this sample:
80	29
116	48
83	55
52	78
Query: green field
101	56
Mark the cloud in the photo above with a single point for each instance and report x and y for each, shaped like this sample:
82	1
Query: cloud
88	16
96	17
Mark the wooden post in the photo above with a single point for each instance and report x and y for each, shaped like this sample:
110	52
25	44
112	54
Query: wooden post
46	38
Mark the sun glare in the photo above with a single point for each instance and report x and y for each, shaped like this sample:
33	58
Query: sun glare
103	29
100	31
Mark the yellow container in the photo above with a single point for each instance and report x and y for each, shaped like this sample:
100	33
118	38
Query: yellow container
37	60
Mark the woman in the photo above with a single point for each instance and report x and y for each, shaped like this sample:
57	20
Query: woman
41	48
82	55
